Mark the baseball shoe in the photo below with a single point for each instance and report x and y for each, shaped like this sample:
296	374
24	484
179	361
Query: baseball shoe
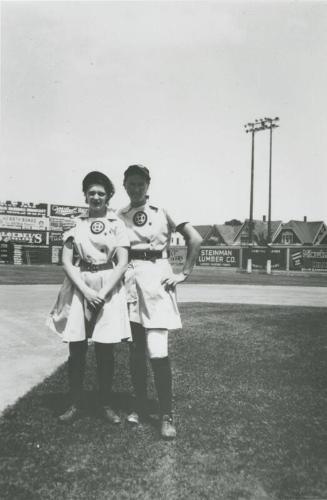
168	430
111	416
133	418
70	415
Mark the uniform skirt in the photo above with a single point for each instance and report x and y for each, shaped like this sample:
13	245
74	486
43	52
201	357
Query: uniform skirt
149	303
71	317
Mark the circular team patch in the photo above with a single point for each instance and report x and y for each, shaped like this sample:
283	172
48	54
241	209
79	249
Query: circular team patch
97	227
140	218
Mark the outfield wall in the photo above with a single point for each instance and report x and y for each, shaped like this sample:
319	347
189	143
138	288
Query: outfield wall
31	233
282	258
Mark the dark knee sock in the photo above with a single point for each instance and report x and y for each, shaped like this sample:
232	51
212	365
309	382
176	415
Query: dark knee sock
138	370
138	367
105	371
76	370
163	382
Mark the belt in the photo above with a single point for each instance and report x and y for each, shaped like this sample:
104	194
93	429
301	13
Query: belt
148	254
93	268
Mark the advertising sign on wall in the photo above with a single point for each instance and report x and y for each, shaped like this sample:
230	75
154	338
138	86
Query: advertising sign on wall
219	257
22	208
35	254
6	252
56	254
59	223
67	211
259	257
314	259
296	259
24	222
55	238
177	255
24	237
278	258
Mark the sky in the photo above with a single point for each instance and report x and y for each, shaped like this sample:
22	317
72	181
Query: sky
101	85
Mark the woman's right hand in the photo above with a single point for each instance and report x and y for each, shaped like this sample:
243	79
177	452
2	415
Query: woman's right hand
94	301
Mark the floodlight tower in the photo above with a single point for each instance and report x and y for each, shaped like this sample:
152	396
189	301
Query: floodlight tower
252	128
270	124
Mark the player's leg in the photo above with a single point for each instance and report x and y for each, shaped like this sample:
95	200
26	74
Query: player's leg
138	369
76	370
157	345
105	371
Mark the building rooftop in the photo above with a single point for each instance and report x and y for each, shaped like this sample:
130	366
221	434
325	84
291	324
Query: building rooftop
306	231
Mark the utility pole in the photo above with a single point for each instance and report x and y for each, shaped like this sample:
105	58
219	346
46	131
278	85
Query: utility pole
252	128
270	124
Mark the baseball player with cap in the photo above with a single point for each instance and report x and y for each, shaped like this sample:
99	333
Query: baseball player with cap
150	284
92	301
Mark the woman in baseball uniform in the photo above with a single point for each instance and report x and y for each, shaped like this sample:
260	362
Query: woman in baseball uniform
150	285
92	301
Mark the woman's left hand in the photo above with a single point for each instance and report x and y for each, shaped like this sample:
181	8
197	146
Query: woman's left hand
98	302
172	280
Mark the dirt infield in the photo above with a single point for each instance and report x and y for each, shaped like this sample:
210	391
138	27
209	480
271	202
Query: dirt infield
255	294
29	352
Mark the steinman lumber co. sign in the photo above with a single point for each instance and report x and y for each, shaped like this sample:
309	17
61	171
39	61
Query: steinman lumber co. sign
219	257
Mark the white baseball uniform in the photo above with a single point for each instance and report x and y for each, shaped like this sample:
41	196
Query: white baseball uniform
149	228
95	241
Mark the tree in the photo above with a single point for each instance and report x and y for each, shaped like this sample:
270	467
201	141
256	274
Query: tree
233	222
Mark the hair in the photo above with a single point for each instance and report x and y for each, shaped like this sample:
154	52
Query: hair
137	169
95	177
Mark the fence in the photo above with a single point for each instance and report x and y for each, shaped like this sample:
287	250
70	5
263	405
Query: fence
282	258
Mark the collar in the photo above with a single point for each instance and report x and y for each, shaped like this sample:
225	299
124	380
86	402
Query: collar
110	215
129	207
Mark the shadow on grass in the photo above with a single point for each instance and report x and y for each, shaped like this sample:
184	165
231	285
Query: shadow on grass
251	403
58	402
122	402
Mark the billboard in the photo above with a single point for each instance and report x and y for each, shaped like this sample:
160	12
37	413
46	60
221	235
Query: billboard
259	257
219	257
23	208
314	259
308	259
24	222
6	252
177	255
20	236
35	254
278	258
56	253
296	259
58	223
67	211
55	238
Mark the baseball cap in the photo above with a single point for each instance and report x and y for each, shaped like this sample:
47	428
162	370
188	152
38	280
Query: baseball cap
139	170
98	178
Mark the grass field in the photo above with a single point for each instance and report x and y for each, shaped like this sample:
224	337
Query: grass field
251	404
53	274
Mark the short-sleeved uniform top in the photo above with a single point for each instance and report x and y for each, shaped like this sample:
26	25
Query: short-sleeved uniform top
95	241
149	227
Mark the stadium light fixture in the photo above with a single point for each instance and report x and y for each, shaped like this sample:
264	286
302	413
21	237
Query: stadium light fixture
253	128
270	124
